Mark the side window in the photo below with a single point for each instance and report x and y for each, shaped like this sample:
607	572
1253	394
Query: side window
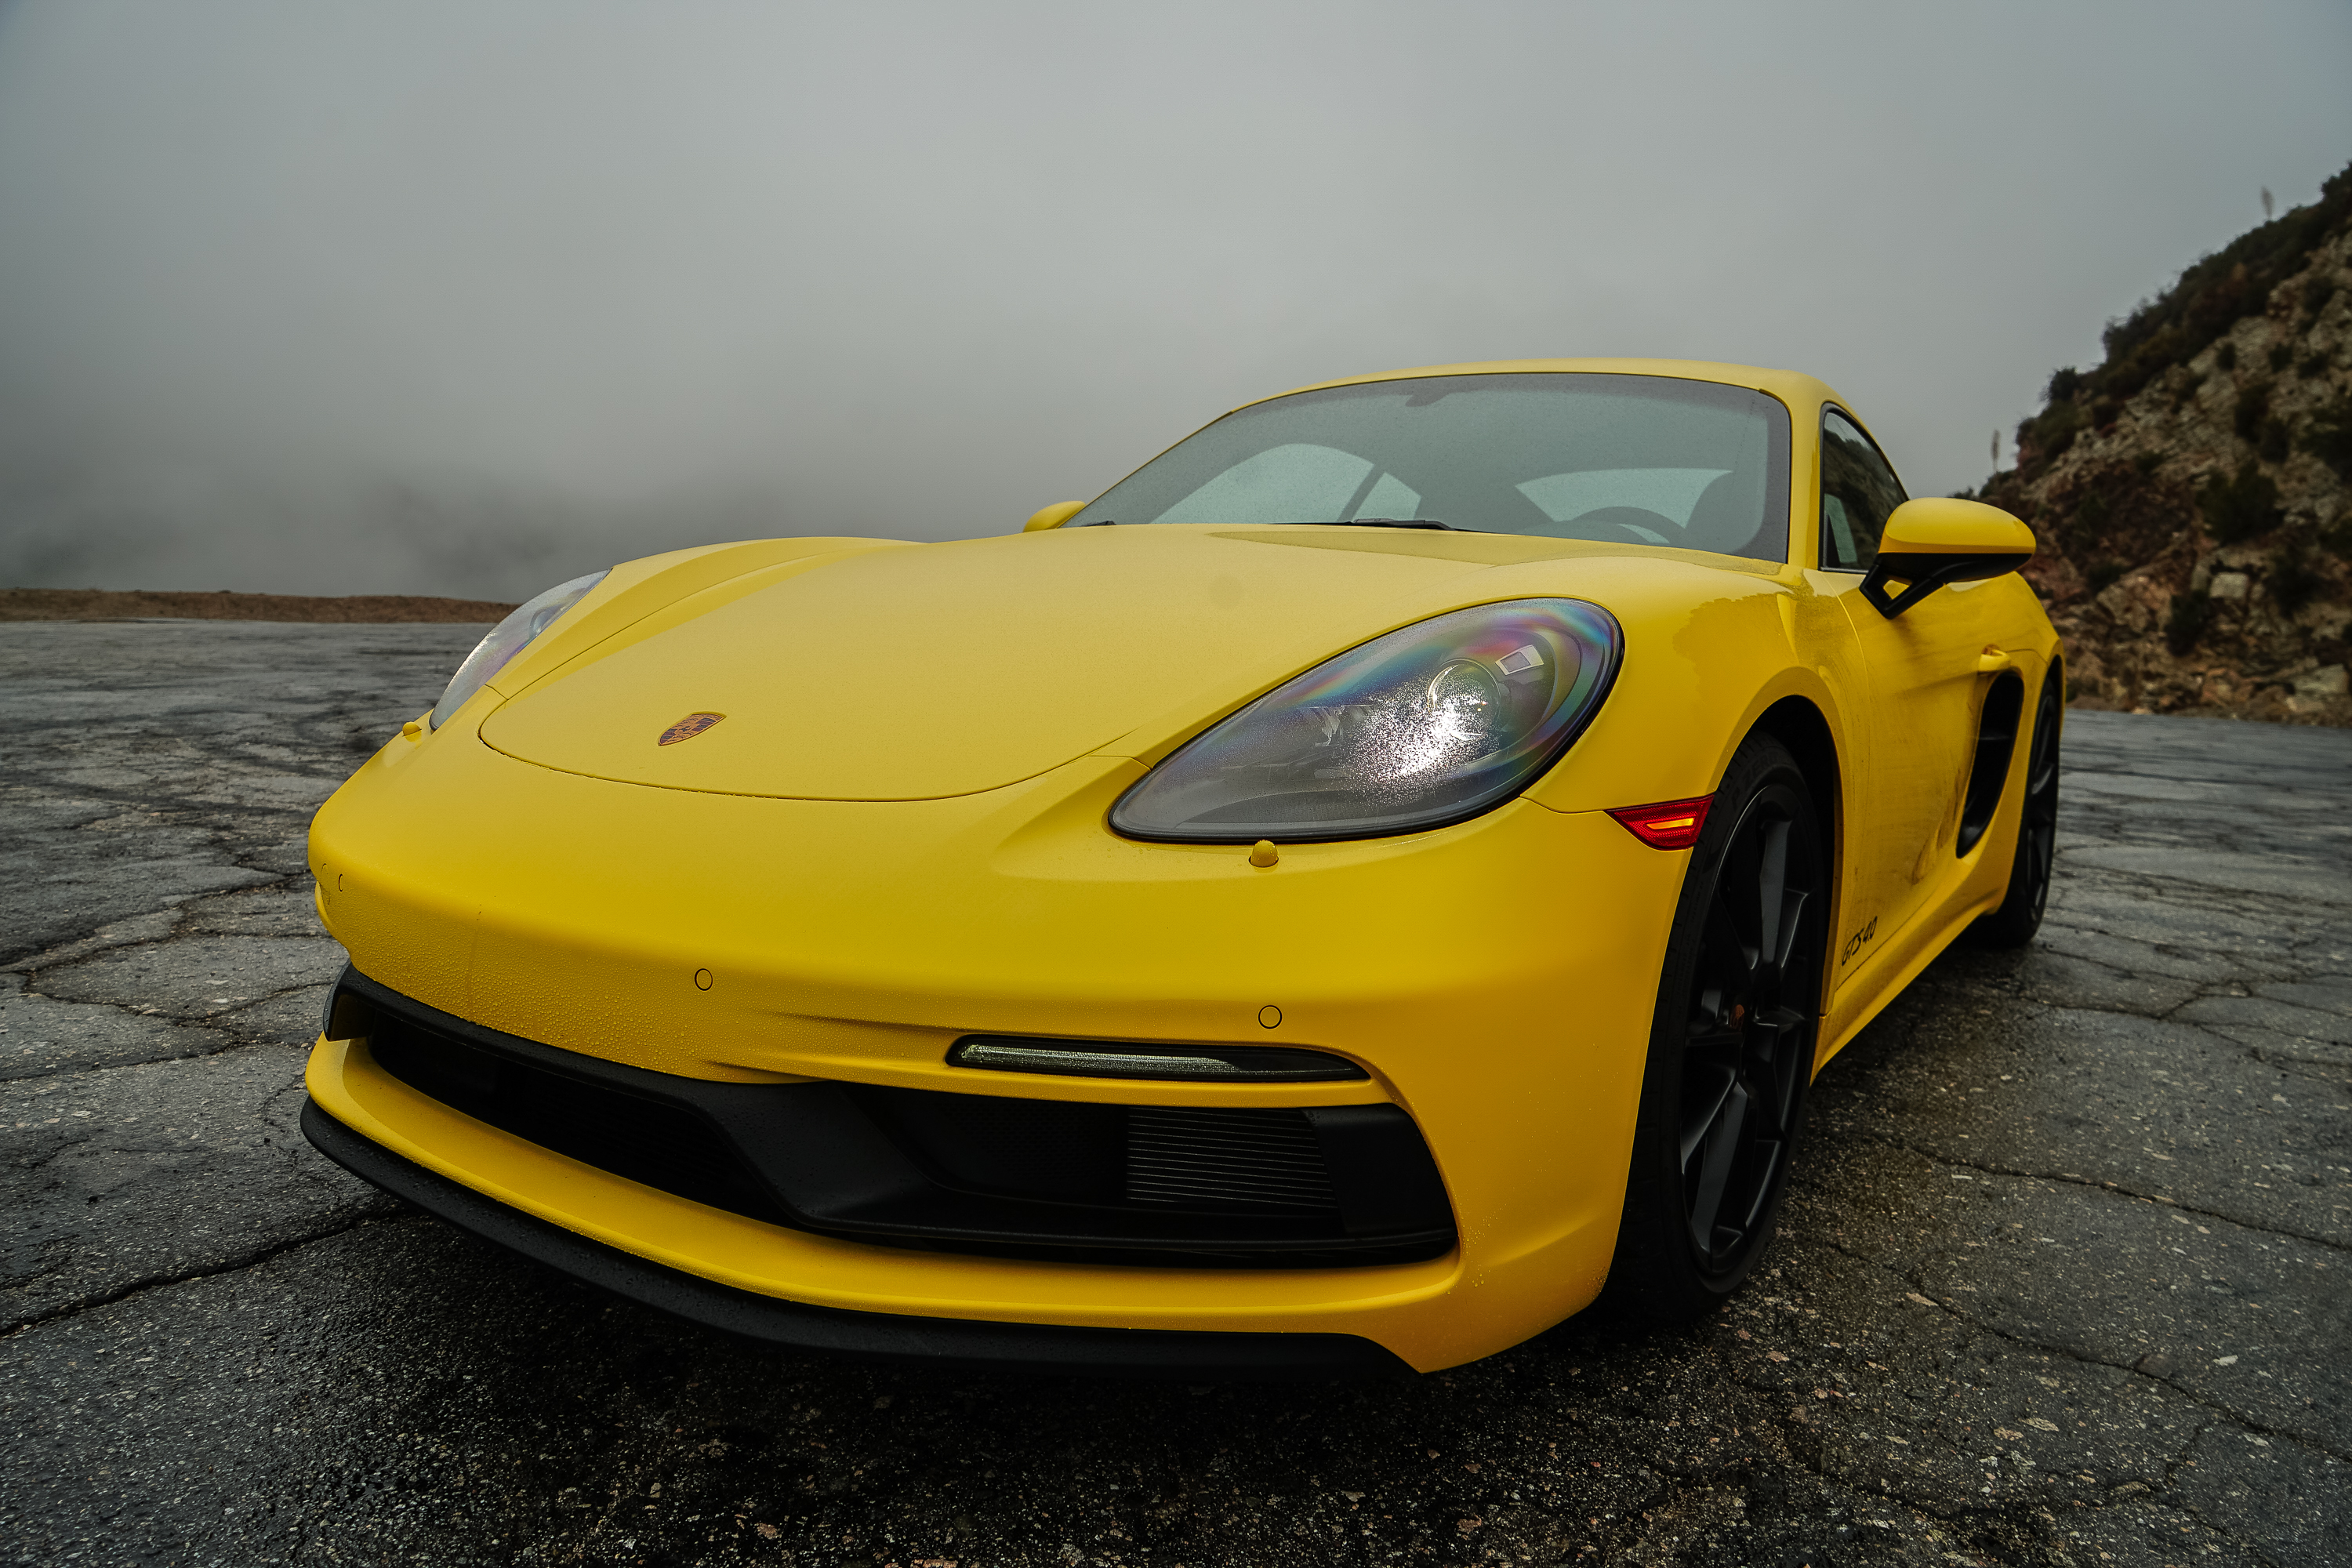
1859	491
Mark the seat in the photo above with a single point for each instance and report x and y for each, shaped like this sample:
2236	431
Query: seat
1729	513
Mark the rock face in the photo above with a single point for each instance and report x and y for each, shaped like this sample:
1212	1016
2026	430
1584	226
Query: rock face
2193	493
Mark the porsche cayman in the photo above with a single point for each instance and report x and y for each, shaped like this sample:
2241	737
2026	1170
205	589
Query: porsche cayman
1373	883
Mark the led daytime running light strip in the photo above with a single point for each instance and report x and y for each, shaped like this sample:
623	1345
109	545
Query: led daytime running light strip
1198	1064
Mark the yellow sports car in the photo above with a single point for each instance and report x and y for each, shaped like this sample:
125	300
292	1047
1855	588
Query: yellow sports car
1377	881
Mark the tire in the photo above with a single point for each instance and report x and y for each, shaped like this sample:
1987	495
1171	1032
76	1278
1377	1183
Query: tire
2020	914
1731	1046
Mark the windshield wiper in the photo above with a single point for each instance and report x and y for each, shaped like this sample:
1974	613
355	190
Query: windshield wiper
1384	522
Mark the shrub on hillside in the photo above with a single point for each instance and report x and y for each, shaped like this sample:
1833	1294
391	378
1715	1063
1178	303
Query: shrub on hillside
2117	510
2328	436
2240	507
2086	525
2191	613
2254	406
2051	432
2293	581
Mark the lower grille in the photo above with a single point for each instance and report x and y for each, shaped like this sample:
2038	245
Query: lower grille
1073	1151
661	1146
941	1169
1192	1158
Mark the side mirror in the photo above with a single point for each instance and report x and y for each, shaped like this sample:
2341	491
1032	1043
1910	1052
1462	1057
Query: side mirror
1053	516
1935	541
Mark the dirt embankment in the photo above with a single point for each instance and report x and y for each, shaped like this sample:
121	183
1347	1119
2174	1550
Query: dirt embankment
141	604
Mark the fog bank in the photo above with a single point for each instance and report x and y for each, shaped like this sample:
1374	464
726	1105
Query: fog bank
463	299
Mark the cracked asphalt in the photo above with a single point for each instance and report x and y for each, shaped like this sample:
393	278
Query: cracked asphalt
2061	1277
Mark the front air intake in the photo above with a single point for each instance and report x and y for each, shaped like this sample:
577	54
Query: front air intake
1193	1158
1197	1186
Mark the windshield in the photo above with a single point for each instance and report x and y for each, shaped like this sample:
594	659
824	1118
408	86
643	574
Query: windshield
1627	459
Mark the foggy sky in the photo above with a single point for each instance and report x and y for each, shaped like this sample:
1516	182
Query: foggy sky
465	298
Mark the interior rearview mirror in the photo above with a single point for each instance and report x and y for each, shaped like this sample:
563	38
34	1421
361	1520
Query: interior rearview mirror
1938	539
1053	516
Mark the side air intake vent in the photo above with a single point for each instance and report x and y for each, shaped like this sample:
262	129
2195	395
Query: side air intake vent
1996	740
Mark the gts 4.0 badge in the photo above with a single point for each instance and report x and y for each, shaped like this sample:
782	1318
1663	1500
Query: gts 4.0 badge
688	728
1858	941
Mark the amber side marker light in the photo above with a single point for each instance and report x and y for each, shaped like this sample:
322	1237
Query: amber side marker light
1669	825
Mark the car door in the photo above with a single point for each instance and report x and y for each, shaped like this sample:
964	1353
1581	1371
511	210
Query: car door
1924	686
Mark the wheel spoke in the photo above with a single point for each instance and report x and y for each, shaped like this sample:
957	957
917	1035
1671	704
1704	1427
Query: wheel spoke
1764	1161
1784	1059
1771	887
1698	1117
1734	960
1715	1172
2044	850
2042	763
1793	924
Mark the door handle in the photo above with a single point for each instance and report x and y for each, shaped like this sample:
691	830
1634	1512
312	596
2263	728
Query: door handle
1993	660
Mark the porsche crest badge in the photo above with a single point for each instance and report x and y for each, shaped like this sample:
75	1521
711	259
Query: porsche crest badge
688	728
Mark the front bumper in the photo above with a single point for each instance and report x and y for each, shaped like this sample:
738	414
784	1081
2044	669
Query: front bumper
1495	979
791	1325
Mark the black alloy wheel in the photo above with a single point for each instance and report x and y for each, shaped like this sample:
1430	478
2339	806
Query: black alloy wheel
2020	914
1731	1051
1748	1044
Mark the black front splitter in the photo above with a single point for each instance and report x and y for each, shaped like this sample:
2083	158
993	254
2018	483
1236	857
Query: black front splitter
1037	1347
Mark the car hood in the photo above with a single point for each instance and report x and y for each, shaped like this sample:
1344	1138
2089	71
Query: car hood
944	669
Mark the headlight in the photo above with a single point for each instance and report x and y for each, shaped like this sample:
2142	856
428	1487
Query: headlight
1427	725
508	638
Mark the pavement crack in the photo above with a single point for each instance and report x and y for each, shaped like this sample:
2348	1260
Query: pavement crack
230	1047
1899	1488
2235	1418
235	1263
2069	1179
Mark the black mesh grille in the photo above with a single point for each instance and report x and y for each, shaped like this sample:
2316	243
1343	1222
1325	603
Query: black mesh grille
1178	1157
1325	1186
1190	1158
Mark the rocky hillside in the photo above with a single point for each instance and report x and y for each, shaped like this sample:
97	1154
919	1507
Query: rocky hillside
2193	492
